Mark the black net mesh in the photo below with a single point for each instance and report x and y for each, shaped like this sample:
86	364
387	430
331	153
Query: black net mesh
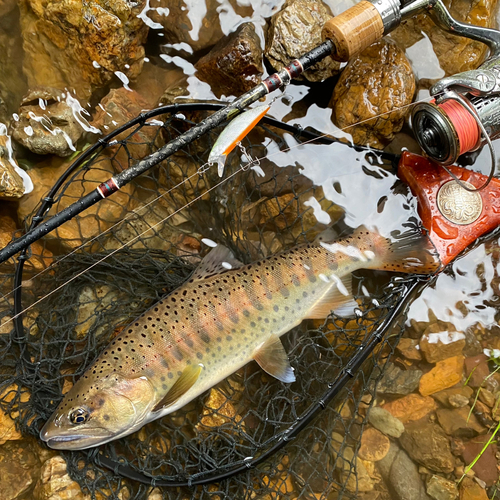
109	264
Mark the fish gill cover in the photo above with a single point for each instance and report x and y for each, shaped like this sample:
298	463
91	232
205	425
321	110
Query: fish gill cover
104	273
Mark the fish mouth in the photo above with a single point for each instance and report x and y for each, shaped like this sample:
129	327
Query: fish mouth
73	441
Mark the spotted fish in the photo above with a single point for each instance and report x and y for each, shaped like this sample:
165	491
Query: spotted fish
226	315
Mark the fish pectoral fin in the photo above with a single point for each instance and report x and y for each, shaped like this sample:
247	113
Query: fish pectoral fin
272	358
338	299
187	379
218	260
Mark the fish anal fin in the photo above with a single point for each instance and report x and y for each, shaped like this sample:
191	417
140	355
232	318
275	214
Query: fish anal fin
220	259
187	379
272	358
338	299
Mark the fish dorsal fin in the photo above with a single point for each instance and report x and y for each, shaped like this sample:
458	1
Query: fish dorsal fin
272	358
338	298
187	379
219	260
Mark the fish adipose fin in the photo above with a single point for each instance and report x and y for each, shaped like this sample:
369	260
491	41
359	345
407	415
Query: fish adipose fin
218	260
338	299
273	359
187	379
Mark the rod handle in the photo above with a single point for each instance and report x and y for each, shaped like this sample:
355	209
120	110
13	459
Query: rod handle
354	30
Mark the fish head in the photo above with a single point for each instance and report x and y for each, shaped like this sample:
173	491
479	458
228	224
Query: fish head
95	412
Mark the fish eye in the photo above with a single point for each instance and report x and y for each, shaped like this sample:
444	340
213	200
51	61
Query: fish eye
79	416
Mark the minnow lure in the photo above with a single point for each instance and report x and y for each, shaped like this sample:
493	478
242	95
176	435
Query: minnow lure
226	315
234	132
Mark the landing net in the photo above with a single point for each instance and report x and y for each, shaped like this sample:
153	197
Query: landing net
103	273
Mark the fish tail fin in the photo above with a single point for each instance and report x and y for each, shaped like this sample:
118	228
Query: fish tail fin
408	252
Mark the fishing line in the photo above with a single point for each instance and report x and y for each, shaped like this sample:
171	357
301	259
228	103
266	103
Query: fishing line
253	162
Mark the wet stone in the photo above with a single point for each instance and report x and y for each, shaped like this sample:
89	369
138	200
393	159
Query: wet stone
356	478
486	467
374	88
427	444
218	410
8	431
476	370
459	422
408	348
55	484
439	345
398	382
452	398
445	374
440	488
11	183
374	445
295	30
47	124
383	420
62	49
470	490
411	407
19	468
234	65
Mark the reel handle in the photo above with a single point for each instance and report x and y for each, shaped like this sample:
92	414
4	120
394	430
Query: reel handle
353	30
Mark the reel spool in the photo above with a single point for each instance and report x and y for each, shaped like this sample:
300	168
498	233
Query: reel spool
446	130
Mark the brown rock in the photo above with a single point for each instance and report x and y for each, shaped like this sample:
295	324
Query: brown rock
379	84
440	488
455	54
398	382
19	468
92	221
459	422
476	370
408	349
374	445
40	256
437	346
218	410
63	49
443	397
428	445
487	397
411	407
486	467
55	483
117	108
6	6
295	30
46	123
361	480
234	65
11	183
445	374
470	490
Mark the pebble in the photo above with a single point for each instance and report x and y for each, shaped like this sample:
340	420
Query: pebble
411	407
385	422
428	445
440	488
458	400
487	397
448	395
398	382
445	374
374	445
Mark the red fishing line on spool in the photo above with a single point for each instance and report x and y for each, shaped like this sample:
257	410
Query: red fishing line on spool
465	125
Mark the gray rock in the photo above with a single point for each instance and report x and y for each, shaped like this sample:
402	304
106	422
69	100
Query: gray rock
440	488
397	382
402	476
383	421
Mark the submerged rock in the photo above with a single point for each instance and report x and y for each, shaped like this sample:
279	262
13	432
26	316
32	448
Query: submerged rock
19	468
459	422
445	374
437	345
470	490
427	444
486	467
11	183
385	422
450	397
476	370
234	65
80	45
374	445
398	382
455	53
411	407
375	88
295	30
55	483
409	349
440	488
46	123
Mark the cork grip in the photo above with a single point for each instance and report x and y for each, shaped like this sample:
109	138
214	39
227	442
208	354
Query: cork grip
354	30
